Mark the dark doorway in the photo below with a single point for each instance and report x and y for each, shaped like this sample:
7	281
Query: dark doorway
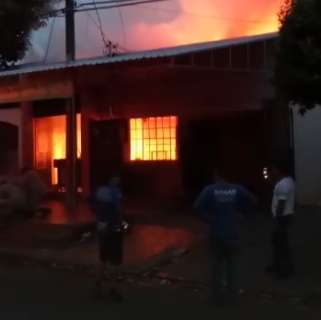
106	149
235	143
198	155
9	141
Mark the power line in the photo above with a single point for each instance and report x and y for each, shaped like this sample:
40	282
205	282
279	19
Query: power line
125	4
52	27
104	2
112	4
101	5
101	30
110	48
122	22
123	48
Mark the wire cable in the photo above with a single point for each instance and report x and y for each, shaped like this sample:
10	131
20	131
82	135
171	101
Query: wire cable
107	43
52	27
123	26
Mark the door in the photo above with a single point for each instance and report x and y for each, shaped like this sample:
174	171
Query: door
9	139
106	150
198	153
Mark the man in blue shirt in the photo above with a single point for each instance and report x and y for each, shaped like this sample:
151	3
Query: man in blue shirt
219	205
106	203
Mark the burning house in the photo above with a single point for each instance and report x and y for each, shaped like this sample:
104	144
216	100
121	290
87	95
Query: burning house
162	118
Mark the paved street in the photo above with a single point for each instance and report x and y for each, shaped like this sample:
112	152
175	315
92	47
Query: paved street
35	293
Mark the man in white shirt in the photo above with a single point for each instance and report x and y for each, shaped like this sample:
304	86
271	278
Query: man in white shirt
283	209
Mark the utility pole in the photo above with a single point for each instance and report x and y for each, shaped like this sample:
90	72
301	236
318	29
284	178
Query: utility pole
71	127
70	31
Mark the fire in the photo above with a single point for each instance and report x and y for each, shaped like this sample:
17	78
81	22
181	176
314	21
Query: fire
50	142
205	20
153	139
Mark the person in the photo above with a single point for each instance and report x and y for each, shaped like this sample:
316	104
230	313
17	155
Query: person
12	200
283	205
106	203
219	205
34	189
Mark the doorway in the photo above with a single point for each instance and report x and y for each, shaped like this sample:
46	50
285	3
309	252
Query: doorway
9	141
106	150
235	143
198	155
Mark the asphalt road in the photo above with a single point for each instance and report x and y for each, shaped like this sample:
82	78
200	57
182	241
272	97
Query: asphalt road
36	293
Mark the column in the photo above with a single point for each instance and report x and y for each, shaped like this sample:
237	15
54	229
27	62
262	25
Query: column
71	192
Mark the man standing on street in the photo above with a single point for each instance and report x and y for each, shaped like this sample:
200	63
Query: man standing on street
219	205
283	205
106	203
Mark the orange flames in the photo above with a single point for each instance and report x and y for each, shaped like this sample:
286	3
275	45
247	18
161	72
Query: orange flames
50	142
205	20
153	139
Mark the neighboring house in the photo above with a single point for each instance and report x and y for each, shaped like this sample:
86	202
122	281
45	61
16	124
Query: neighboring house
307	133
162	118
10	121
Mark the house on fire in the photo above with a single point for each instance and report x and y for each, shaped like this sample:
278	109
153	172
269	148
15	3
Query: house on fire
161	118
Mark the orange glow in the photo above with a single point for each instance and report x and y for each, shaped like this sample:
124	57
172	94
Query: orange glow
190	21
50	142
153	139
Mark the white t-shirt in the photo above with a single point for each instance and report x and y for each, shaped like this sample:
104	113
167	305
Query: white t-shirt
284	190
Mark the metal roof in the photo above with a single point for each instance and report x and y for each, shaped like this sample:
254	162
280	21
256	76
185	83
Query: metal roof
137	56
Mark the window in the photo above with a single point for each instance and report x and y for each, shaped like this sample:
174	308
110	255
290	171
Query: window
50	143
153	139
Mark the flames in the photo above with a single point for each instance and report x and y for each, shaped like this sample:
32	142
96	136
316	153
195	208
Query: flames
206	20
170	23
50	143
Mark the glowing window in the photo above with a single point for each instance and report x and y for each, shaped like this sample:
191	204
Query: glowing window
50	142
153	139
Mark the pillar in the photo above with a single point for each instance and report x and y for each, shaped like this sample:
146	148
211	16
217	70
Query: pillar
26	140
71	190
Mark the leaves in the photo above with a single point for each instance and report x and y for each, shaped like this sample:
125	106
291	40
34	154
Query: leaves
17	19
298	67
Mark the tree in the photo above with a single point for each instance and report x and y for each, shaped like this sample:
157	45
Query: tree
17	20
298	65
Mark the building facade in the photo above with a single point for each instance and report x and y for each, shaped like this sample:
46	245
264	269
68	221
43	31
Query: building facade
163	119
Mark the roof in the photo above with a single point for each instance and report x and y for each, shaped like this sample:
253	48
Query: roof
138	56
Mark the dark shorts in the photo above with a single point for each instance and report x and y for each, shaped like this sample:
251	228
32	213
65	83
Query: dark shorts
111	247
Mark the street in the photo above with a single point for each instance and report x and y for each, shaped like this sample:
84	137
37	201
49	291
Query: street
31	292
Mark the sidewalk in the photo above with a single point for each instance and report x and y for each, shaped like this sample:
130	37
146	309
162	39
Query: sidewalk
158	251
305	286
146	245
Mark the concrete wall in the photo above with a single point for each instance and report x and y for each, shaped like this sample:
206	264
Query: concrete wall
13	116
307	137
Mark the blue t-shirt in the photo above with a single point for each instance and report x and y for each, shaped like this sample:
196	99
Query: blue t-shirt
106	203
220	204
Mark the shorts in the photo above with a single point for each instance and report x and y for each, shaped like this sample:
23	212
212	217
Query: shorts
111	247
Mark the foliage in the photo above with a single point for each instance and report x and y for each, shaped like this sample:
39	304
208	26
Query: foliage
298	66
18	18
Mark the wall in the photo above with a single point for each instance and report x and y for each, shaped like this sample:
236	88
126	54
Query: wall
190	93
13	116
307	133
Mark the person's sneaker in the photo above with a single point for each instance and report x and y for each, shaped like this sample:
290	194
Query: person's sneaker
116	296
284	275
217	302
270	270
98	294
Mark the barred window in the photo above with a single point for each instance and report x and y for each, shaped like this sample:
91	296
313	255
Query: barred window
153	139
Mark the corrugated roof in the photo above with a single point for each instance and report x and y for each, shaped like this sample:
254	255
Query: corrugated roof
136	56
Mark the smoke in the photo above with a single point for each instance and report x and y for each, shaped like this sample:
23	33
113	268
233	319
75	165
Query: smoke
207	20
173	22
